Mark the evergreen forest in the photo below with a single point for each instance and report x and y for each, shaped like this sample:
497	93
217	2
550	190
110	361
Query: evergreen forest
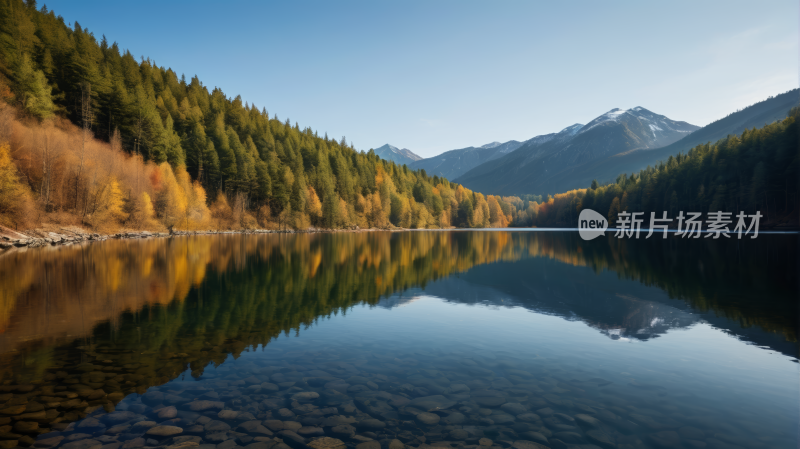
93	135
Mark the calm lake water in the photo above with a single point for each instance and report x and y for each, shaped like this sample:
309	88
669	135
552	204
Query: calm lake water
490	339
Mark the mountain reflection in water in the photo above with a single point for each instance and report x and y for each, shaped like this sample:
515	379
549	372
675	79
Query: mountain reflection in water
105	320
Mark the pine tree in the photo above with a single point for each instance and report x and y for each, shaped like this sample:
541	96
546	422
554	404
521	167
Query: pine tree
613	211
33	91
758	184
465	211
172	142
298	197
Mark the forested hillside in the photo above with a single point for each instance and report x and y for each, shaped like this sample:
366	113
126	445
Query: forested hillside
184	142
758	170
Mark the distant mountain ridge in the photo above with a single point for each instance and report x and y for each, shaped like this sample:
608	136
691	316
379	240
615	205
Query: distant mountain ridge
454	163
533	166
399	156
619	141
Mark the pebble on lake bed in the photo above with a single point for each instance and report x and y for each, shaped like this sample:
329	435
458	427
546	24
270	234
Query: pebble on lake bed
164	431
327	443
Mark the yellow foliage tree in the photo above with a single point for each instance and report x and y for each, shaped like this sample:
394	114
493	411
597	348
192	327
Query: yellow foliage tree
378	217
143	216
314	206
405	213
420	217
199	215
480	213
196	214
343	217
221	212
385	188
496	217
110	208
460	194
363	209
16	204
300	221
171	201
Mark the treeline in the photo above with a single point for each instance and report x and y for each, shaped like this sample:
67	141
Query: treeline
260	171
756	171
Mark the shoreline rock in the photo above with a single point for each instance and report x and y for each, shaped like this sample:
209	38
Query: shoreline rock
7	244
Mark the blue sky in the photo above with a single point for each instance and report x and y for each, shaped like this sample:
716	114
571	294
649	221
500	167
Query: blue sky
435	76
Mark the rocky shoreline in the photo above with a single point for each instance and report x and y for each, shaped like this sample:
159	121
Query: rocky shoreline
76	237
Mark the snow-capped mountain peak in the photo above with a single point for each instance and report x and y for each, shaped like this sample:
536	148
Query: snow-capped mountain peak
657	125
610	116
614	113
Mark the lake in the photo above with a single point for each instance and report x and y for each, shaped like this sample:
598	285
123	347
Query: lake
385	340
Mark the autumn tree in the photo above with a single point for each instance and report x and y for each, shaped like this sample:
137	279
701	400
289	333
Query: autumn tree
221	212
171	201
16	206
109	207
142	214
314	207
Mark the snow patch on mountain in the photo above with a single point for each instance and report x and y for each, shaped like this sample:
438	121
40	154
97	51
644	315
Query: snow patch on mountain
654	128
572	130
612	115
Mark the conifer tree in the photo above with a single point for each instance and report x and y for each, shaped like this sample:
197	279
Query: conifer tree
33	91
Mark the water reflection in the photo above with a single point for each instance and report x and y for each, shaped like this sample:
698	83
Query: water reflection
82	327
62	293
747	290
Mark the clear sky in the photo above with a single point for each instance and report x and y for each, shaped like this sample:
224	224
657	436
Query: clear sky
433	76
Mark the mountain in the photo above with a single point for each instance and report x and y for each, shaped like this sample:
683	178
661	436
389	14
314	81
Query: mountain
537	166
452	164
607	169
392	153
504	175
